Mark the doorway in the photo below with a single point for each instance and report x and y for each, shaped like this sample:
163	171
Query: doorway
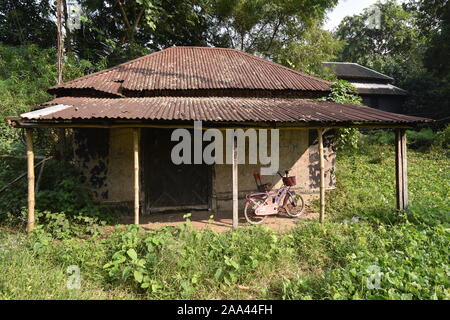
168	186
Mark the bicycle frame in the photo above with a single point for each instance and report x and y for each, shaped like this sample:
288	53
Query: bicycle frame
269	207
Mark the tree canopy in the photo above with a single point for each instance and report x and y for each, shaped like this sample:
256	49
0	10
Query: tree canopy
113	31
410	43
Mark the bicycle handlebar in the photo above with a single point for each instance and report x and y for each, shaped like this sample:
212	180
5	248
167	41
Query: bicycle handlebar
285	171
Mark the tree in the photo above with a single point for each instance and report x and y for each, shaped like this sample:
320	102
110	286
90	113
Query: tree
306	55
114	31
434	23
402	46
27	22
393	38
266	26
26	72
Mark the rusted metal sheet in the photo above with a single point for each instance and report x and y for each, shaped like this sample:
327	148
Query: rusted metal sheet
216	109
193	68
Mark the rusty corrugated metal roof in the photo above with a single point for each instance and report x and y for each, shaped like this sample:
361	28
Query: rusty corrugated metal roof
194	68
214	109
217	84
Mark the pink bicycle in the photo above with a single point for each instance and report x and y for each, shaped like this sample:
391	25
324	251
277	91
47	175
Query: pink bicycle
261	204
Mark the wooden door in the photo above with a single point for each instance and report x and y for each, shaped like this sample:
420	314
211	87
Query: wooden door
169	186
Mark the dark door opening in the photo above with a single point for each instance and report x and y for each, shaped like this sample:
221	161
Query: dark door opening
167	185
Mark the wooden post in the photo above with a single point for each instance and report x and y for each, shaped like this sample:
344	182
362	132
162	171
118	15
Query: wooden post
59	42
30	164
322	175
136	132
401	169
235	185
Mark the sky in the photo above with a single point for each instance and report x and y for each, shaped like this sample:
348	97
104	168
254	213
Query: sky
347	8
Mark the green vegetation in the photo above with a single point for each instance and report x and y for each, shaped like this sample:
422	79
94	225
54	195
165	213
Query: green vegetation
344	92
340	259
23	85
408	42
365	250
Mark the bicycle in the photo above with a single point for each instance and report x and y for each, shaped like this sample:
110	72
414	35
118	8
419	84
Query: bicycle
261	204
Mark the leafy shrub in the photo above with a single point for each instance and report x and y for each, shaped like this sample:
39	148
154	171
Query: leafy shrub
178	262
60	191
24	84
443	138
379	137
344	92
399	262
347	139
63	226
421	140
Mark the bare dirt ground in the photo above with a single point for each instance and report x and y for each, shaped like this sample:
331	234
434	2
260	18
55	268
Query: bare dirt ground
221	221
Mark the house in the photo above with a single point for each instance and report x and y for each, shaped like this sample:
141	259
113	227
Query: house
374	87
123	120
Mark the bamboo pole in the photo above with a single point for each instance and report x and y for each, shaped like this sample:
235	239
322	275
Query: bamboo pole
136	132
30	164
405	171
401	170
59	40
322	175
235	185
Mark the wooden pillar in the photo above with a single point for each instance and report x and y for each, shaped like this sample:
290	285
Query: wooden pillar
30	164
401	169
136	132
322	175
235	185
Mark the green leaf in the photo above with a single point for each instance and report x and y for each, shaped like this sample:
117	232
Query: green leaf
132	254
138	276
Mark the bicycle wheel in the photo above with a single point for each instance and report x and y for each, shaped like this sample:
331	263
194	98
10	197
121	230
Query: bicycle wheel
294	205
249	211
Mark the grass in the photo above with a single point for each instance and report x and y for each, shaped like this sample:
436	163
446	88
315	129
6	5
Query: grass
27	275
365	250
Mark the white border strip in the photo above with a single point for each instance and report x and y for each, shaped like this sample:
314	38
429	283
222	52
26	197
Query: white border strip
44	112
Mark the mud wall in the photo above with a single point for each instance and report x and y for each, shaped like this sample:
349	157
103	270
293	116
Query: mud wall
121	166
298	153
105	157
91	156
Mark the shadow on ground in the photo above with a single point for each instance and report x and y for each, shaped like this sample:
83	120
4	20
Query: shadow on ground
220	221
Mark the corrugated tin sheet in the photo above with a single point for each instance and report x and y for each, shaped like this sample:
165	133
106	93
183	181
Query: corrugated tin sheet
193	68
218	109
349	70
